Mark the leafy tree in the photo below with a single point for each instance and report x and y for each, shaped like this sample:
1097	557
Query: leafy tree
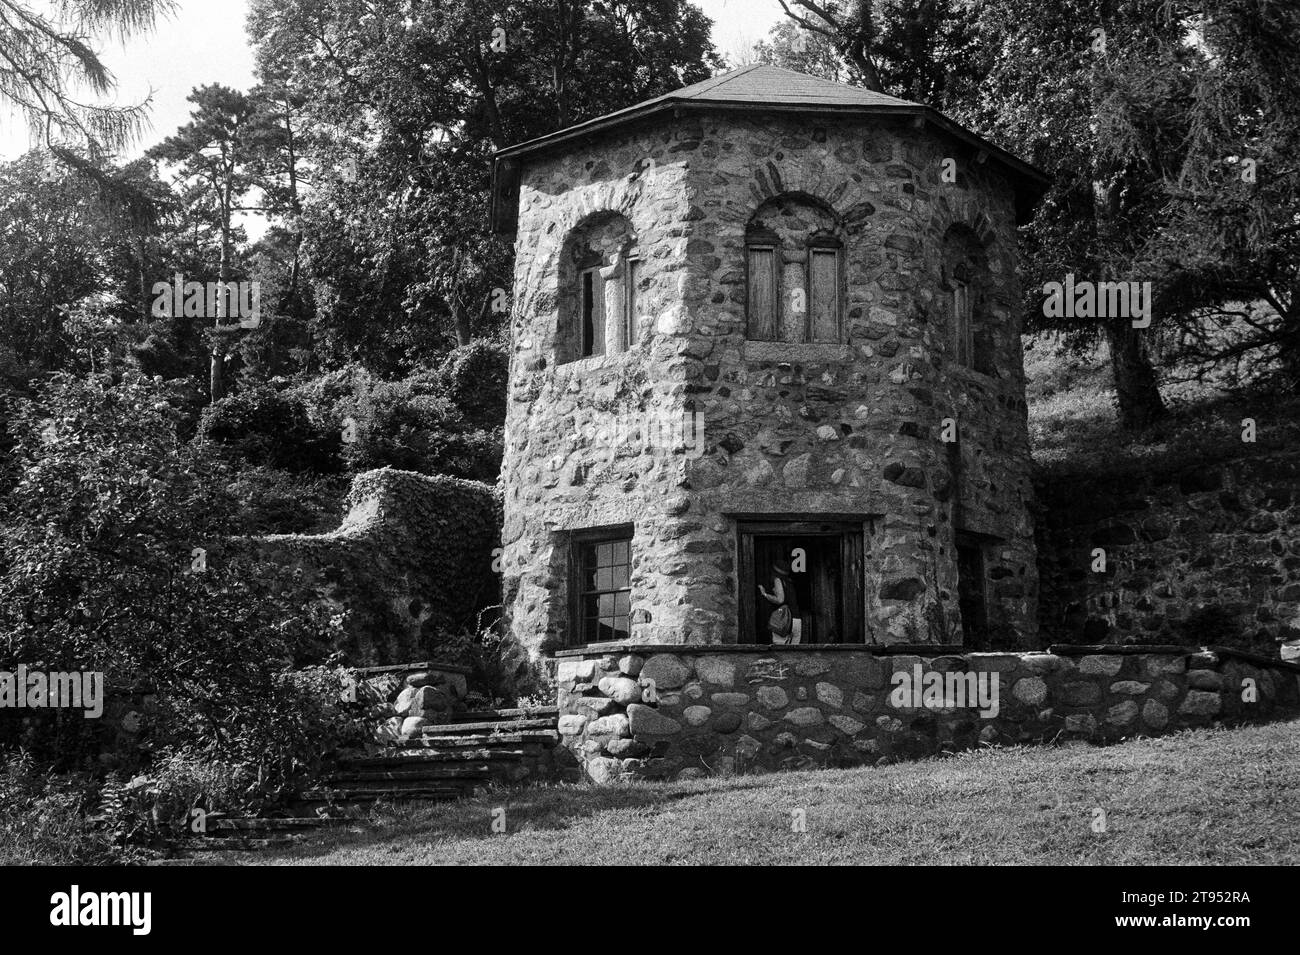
46	58
212	154
403	105
74	261
794	48
922	50
1228	246
99	570
1060	93
51	259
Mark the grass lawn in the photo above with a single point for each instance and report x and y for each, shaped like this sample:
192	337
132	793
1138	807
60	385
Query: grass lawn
1074	422
1209	796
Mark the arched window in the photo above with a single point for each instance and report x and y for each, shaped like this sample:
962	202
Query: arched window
966	282
794	266
599	274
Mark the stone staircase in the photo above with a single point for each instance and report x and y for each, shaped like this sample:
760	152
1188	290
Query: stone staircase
444	760
426	747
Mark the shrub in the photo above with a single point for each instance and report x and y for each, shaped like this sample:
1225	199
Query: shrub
272	428
474	378
444	421
98	572
43	819
499	666
283	502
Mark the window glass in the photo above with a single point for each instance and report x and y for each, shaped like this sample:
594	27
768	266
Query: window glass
604	600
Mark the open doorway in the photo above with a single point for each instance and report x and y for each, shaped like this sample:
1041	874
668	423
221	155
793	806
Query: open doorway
972	590
819	566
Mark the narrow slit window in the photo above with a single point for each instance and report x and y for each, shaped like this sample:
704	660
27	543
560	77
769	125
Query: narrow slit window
824	294
763	293
963	344
593	313
631	323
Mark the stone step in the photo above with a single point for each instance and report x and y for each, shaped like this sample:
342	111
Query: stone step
445	790
220	828
421	756
532	712
439	771
491	726
482	740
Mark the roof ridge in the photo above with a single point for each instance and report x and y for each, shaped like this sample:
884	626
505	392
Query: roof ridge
713	82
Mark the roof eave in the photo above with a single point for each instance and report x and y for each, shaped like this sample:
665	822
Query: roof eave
931	115
1031	182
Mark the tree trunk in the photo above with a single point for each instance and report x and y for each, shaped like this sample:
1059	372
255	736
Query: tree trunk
1140	403
464	334
142	277
217	366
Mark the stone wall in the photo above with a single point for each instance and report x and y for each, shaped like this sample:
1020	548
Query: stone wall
850	429
400	699
640	712
1209	551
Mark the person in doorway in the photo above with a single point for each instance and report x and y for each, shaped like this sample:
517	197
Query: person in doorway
784	623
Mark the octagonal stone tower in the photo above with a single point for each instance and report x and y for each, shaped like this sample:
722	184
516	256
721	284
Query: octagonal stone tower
764	328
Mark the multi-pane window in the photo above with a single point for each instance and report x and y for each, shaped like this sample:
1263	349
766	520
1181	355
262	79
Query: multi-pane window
603	589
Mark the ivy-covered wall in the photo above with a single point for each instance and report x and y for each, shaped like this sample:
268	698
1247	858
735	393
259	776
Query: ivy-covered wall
411	563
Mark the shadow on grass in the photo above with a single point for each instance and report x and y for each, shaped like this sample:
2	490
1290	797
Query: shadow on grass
528	807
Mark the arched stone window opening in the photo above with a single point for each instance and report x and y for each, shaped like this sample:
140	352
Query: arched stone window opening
794	272
967	285
600	270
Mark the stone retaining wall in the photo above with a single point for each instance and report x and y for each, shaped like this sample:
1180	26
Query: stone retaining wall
635	711
1210	551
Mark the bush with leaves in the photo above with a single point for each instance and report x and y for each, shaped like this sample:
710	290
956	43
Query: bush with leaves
499	665
415	424
474	378
111	560
264	426
43	819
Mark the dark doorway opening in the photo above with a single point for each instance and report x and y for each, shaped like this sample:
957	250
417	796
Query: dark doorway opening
972	592
825	562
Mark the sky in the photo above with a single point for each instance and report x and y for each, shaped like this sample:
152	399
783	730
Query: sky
203	41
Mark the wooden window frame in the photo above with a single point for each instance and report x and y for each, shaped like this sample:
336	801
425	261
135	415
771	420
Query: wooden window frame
852	535
822	244
631	276
763	240
963	323
578	635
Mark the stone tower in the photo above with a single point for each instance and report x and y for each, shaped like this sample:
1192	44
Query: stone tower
766	322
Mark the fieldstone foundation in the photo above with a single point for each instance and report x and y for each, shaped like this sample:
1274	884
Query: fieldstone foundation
637	711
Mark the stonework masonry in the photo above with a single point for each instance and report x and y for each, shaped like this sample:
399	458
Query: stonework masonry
1207	549
639	712
850	428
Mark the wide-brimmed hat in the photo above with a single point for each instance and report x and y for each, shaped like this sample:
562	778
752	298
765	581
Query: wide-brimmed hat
782	568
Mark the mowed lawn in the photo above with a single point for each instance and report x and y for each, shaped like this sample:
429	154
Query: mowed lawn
1210	796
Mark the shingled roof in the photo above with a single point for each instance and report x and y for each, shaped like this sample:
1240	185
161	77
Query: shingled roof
763	88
